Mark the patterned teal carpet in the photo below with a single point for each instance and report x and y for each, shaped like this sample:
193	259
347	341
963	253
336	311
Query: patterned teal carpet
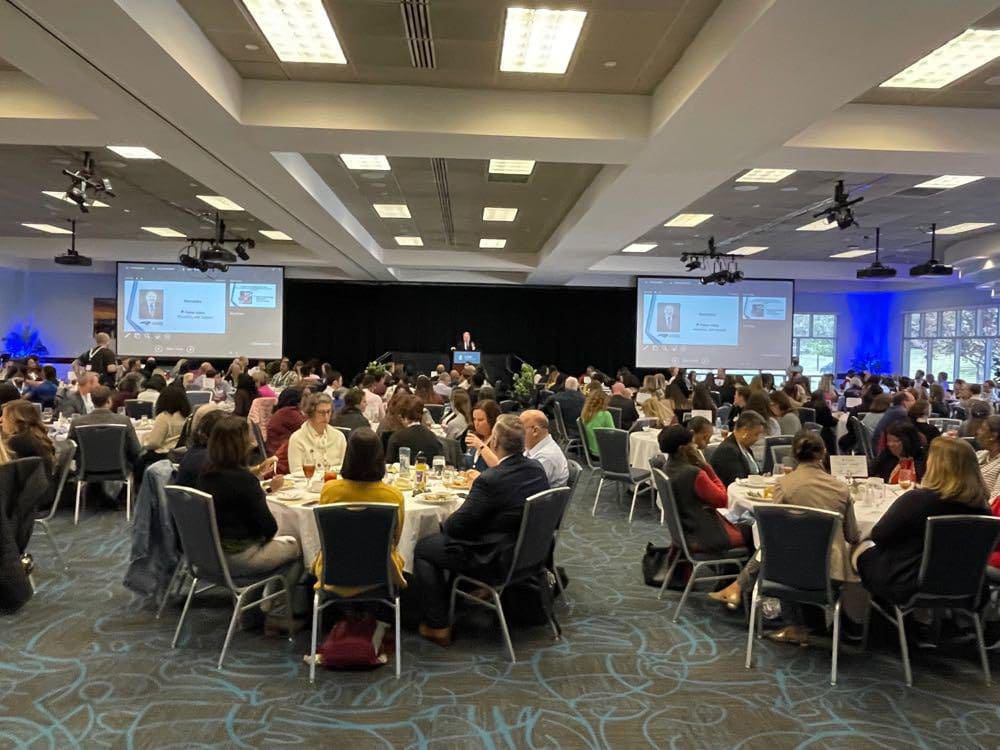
84	666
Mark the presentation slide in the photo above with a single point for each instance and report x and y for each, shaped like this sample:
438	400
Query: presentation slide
683	323
167	310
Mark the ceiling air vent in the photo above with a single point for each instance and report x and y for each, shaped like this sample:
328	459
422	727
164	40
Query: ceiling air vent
417	22
440	167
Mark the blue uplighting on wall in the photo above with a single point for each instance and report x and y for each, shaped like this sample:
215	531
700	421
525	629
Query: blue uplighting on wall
869	319
24	340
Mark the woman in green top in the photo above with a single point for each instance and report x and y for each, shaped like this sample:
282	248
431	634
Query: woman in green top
595	415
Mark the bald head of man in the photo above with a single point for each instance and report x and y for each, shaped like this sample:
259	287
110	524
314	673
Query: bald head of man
87	382
536	427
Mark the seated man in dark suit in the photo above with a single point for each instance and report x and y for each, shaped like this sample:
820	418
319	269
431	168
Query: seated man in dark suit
79	401
570	402
733	459
102	414
620	399
478	539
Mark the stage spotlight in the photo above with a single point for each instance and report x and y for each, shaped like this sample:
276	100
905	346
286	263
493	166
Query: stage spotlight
693	264
241	251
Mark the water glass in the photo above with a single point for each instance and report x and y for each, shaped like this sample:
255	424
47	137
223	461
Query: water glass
404	462
437	466
876	490
449	474
788	465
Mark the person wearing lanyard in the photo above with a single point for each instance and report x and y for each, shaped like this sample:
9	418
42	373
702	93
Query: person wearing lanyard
98	360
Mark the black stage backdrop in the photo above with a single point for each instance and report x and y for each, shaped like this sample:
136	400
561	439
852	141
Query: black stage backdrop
350	324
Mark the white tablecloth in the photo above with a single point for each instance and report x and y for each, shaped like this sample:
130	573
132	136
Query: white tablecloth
419	520
642	446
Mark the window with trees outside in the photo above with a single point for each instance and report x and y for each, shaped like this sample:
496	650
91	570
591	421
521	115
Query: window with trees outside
961	343
814	342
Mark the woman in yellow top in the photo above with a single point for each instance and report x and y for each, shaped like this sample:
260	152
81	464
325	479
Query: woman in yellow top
360	481
595	415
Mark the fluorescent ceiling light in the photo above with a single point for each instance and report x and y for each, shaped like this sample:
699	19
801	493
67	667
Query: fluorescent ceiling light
134	152
965	53
820	225
162	231
748	250
409	241
61	195
392	210
297	30
512	166
970	226
47	228
688	220
765	175
853	254
492	213
639	247
540	40
274	234
358	162
948	181
492	244
220	202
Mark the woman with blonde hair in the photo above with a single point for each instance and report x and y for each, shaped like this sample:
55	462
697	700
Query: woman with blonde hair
889	564
595	416
659	409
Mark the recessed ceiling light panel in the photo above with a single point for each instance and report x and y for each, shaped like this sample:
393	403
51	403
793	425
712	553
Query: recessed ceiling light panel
639	247
748	250
162	231
765	175
965	53
853	254
61	196
820	225
540	40
493	213
492	244
134	152
48	228
363	162
220	202
392	210
970	226
688	220
408	241
297	30
512	166
947	181
274	234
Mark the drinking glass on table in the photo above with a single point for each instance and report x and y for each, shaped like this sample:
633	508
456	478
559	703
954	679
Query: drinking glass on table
875	489
437	467
449	475
787	465
906	478
309	465
404	462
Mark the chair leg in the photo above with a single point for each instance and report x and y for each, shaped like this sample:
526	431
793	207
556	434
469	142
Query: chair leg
635	494
451	604
55	546
982	649
237	608
754	604
76	513
904	649
554	624
128	499
178	571
865	627
315	631
187	604
399	640
836	643
289	617
669	574
503	626
600	486
687	590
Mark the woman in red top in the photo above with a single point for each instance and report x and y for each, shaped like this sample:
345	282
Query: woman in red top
285	420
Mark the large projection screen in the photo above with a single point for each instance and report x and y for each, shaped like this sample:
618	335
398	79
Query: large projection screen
684	323
167	310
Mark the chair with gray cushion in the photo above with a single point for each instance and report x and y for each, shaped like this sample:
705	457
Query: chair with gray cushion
136	409
613	445
102	459
778	455
575	472
567	442
198	398
436	412
65	452
769	444
806	414
616	416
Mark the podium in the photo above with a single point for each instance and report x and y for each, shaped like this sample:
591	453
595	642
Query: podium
495	365
465	358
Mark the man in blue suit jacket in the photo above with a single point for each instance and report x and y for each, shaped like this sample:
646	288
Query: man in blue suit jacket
478	538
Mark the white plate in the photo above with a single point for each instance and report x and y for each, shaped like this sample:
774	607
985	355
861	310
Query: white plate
290	494
755	480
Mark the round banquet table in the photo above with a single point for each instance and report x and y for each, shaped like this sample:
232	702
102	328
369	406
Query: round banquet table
642	446
420	519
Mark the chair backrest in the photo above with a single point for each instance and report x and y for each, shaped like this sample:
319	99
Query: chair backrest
592	461
807	414
779	453
345	431
613	446
23	486
795	546
258	436
194	518
102	452
559	424
945	424
956	551
507	406
136	409
716	397
709	450
575	470
185	431
769	443
722	413
261	409
198	398
65	453
658	461
641	422
862	437
616	416
541	517
812	427
671	515
356	539
436	411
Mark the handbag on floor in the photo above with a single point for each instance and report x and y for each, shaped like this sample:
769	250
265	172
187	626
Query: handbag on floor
356	642
655	564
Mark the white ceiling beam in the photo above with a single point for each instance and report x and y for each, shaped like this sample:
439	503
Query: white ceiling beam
484	260
758	73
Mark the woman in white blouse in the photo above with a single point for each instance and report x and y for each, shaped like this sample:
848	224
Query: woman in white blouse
316	439
459	416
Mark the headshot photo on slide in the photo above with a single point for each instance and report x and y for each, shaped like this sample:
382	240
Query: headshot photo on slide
668	317
151	304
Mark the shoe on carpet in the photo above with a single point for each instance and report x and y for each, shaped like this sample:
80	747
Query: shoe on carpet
440	636
277	625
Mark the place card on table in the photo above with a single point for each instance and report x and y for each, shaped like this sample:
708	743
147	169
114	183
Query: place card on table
850	403
849	466
706	413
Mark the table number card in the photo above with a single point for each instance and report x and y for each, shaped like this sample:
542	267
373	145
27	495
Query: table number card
706	413
850	403
849	466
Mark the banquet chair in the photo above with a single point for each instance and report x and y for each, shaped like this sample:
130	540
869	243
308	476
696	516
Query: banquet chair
862	438
641	422
722	414
812	427
563	438
258	436
102	459
779	453
345	431
575	470
709	450
198	398
952	569
615	467
945	424
356	540
23	487
659	461
507	406
593	462
716	397
616	416
795	544
136	409
732	558
436	412
65	453
806	414
540	519
769	443
193	514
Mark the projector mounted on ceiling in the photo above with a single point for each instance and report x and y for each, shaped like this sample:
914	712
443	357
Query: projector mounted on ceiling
840	211
933	267
876	270
72	257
